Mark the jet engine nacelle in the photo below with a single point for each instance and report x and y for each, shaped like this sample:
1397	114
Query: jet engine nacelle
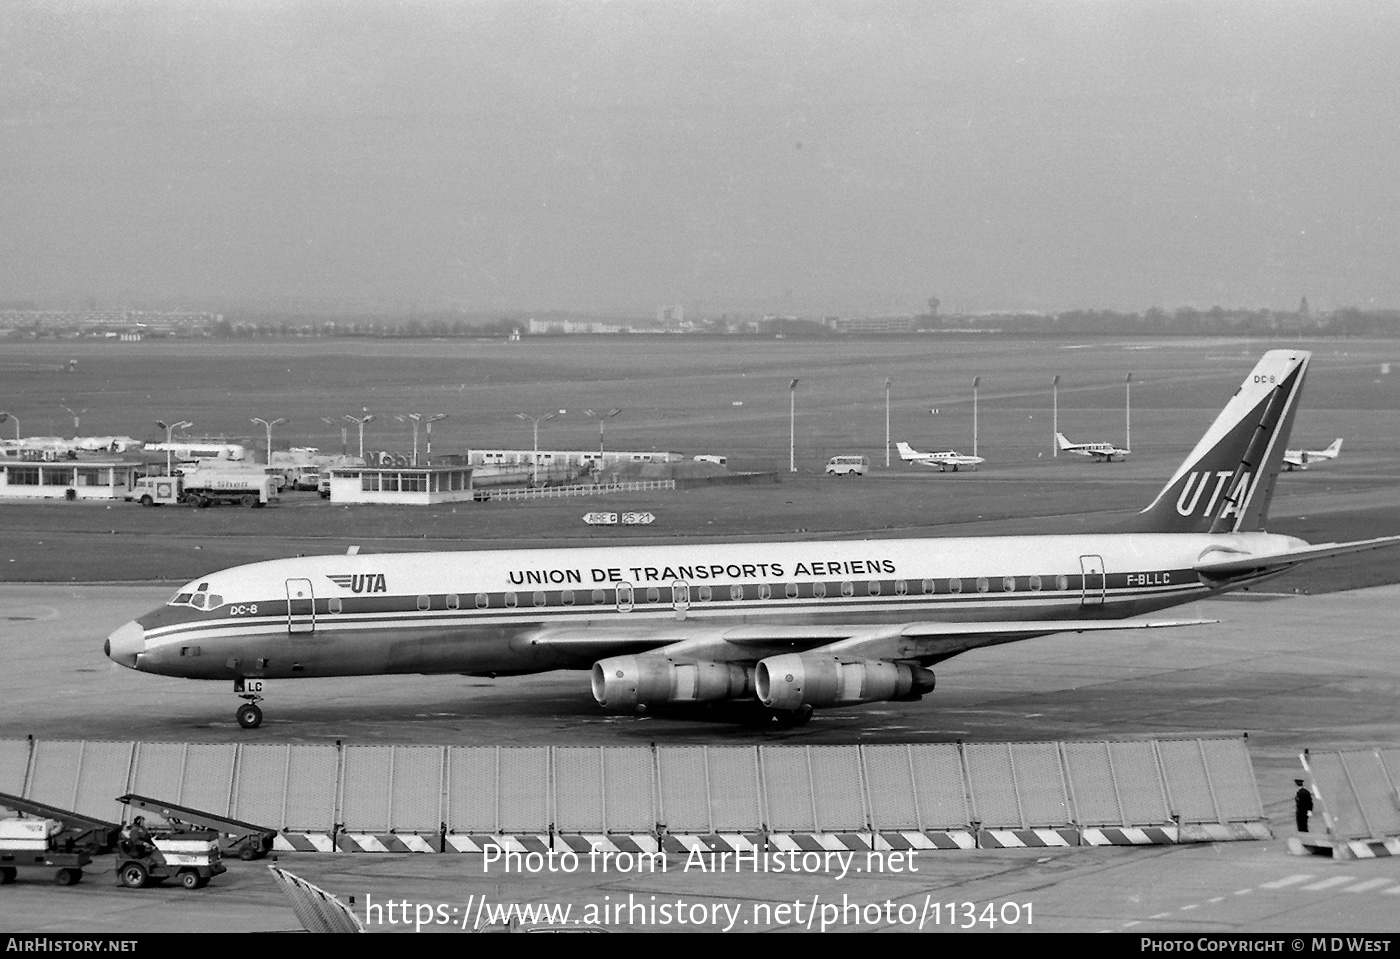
794	680
632	683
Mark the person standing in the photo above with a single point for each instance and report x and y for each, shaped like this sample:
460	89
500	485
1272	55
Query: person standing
1302	805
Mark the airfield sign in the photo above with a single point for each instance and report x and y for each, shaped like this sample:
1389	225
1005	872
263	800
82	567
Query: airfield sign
611	519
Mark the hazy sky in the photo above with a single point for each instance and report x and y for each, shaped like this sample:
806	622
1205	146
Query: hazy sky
818	157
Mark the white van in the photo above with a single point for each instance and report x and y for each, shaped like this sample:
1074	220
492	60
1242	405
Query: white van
845	465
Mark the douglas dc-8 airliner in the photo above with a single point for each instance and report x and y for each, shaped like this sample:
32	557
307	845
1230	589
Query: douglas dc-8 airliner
795	626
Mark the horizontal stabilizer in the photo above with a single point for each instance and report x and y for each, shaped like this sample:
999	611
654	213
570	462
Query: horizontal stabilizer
1276	562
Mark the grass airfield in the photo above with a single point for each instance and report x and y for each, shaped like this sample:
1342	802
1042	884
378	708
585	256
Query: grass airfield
698	395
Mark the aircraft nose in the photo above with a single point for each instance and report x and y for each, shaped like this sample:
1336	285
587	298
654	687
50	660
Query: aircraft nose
125	644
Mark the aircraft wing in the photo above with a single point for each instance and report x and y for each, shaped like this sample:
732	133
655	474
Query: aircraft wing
1246	566
932	642
928	641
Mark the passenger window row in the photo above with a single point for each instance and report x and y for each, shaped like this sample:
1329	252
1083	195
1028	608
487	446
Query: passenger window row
652	595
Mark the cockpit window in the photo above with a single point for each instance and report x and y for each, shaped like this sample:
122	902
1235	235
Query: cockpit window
200	598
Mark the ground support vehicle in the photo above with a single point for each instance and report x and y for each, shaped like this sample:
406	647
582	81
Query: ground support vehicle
51	839
191	857
245	840
39	844
847	465
206	487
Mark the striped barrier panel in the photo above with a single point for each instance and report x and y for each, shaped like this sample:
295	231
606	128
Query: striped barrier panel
1224	832
1118	836
1344	849
1026	838
811	842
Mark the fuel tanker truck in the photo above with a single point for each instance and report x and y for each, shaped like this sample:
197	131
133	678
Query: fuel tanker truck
206	486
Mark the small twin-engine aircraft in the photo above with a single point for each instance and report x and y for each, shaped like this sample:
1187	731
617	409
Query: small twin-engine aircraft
793	626
1299	459
1101	452
943	459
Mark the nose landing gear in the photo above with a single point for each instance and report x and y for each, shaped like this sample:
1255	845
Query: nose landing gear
249	715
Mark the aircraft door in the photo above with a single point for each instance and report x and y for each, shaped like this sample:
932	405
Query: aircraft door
624	597
680	597
1094	580
301	606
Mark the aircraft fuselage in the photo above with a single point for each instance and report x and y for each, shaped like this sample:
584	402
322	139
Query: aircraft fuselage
520	611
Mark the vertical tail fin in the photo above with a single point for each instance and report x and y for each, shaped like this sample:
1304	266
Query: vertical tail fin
1335	448
1227	481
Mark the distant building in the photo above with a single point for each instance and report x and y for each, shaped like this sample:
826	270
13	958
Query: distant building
402	485
66	478
201	449
873	324
611	459
129	321
540	327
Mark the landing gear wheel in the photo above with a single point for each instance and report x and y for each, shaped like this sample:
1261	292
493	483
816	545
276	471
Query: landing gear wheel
249	716
134	875
68	877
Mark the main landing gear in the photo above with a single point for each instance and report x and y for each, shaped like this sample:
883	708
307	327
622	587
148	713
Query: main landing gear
764	717
789	718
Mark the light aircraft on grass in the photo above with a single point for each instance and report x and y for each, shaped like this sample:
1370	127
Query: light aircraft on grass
1102	452
1299	459
794	626
943	459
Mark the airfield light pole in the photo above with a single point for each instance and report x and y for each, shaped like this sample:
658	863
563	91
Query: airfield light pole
344	433
428	425
1128	411
268	426
361	420
975	381
888	381
601	418
11	416
535	457
1055	417
792	427
170	429
416	417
